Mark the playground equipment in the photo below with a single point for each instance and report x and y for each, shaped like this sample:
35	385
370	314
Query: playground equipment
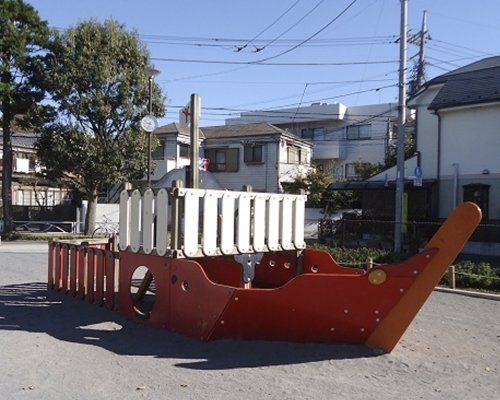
226	264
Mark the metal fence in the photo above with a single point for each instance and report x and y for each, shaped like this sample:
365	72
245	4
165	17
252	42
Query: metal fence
357	232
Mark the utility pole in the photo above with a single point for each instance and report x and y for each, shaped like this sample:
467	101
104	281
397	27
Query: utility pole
401	132
421	52
195	136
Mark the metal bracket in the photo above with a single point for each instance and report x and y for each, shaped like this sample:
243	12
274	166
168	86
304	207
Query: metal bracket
248	262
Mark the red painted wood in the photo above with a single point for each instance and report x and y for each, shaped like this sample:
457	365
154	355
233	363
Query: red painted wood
50	279
57	266
82	268
73	260
89	284
99	277
159	267
64	268
109	294
196	303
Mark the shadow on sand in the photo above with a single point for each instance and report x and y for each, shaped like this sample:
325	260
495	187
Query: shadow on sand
26	307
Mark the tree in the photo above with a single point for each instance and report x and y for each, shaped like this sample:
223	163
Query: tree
99	83
23	40
365	170
316	183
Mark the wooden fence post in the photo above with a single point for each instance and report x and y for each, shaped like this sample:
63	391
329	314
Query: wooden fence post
451	277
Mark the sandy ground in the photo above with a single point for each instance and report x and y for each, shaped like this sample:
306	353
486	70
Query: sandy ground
58	347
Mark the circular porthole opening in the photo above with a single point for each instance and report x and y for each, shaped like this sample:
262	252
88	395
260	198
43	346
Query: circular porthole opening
143	292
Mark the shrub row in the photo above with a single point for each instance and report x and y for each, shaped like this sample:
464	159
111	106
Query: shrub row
468	274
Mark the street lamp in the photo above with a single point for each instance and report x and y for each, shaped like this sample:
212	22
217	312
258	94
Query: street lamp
149	123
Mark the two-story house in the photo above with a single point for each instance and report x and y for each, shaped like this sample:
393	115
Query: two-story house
261	155
341	135
458	136
27	188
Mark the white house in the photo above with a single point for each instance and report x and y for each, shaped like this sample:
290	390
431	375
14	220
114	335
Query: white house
458	136
341	135
260	154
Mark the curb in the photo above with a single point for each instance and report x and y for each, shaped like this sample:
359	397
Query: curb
470	293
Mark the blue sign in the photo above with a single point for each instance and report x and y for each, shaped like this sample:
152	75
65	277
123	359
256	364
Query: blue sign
418	171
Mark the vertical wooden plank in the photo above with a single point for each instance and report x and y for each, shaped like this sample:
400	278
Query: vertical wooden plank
243	232
109	296
72	269
82	272
259	222
135	221
65	267
147	221
273	222
57	266
286	223
227	224
99	277
210	213
50	278
89	284
191	222
298	222
162	211
124	218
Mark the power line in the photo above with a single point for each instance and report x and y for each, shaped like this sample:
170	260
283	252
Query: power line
290	28
268	27
310	37
261	62
285	83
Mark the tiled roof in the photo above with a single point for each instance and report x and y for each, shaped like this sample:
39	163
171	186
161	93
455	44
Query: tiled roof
24	140
478	82
226	131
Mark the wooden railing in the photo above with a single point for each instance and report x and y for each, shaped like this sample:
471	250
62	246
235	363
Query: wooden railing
183	222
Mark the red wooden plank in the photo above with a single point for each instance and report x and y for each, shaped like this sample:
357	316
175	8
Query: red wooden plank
64	267
50	278
57	266
82	268
73	260
109	295
99	277
89	284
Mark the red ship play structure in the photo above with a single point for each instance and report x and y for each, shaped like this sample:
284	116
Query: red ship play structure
224	264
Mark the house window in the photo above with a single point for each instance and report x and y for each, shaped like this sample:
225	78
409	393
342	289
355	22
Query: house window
303	156
356	132
253	154
350	171
293	155
158	153
313	133
184	150
479	194
222	160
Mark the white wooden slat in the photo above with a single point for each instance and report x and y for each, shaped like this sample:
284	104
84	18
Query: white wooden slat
273	222
210	212
259	223
227	223
298	222
147	221
124	234
191	223
286	223
243	232
162	215
135	221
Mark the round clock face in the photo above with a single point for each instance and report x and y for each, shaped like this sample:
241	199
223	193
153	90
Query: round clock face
149	123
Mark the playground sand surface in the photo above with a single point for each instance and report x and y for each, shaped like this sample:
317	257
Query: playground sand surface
62	348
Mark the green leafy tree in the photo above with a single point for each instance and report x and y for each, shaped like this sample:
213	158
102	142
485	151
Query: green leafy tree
315	183
99	84
365	170
410	147
23	39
